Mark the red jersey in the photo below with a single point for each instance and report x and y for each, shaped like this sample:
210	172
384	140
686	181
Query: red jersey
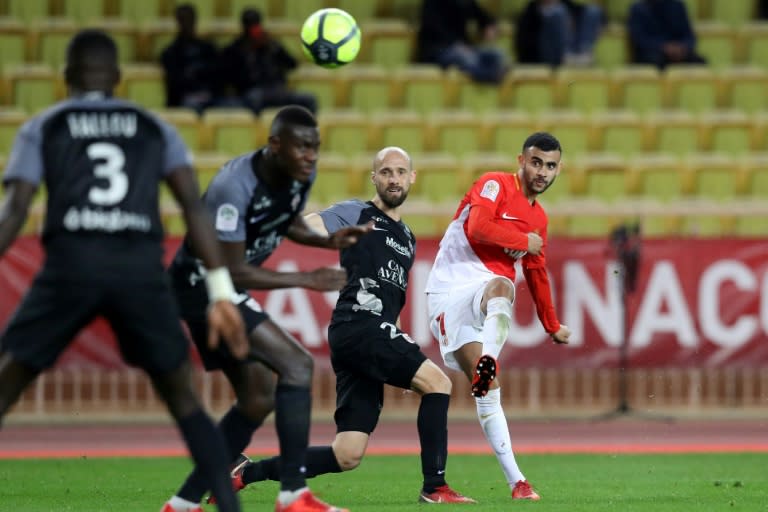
489	244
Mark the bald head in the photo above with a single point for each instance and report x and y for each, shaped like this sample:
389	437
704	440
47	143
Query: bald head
381	156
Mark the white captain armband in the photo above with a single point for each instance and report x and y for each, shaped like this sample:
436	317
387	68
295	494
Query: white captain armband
219	284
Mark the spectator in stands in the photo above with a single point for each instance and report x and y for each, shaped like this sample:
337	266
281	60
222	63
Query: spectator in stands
256	66
189	63
660	33
444	39
558	32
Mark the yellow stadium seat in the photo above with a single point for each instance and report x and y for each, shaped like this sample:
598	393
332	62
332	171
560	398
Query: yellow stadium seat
585	90
698	10
734	12
207	164
144	11
34	87
755	166
440	179
638	88
298	10
477	97
405	129
53	35
692	88
327	86
618	131
143	84
154	37
386	43
83	12
11	120
611	49
728	131
597	225
717	42
335	180
744	88
457	132
423	88
605	177
755	37
673	131
477	164
344	132
507	130
28	10
233	131
186	122
658	176
572	129
369	88
716	176
529	88
13	43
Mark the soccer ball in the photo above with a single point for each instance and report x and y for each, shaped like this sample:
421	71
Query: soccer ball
330	38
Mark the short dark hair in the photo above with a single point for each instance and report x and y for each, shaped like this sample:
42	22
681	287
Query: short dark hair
544	141
250	16
185	8
91	43
292	115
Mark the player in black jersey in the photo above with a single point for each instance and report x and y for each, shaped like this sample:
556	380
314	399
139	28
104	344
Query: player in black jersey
101	160
368	349
257	200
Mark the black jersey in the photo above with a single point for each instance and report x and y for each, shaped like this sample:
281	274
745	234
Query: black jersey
246	209
377	265
101	160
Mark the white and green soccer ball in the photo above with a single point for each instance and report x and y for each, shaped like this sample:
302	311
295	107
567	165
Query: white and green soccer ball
330	38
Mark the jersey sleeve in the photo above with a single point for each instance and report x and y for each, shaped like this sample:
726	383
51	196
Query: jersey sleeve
346	213
535	273
176	152
25	162
227	201
484	197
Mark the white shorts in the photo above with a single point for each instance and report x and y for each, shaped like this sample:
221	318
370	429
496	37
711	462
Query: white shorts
455	318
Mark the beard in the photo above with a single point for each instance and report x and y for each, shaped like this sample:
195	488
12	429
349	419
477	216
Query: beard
392	201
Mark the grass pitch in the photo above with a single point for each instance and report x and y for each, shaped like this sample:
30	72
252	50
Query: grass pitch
572	483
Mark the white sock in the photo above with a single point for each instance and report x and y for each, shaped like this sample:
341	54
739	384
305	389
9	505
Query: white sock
182	505
496	325
288	497
496	430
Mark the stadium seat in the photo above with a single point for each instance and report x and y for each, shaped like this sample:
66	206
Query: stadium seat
585	90
477	97
335	180
717	42
507	130
27	11
298	10
423	88
145	11
605	176
187	123
716	176
728	131
703	225
744	88
34	87
673	131
83	12
457	132
440	179
571	127
593	225
617	10
755	37
369	88
51	38
530	88
221	32
662	177
232	131
611	51
13	43
325	84
698	10
406	129
154	37
733	12
477	164
407	10
692	88
618	131
344	132
363	12
638	88
143	83
386	43
755	166
11	120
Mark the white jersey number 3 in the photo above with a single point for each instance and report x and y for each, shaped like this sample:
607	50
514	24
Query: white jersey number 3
109	160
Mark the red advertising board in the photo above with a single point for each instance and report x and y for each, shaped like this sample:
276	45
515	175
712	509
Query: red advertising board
701	303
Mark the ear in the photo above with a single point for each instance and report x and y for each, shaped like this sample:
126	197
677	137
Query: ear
413	177
274	143
520	160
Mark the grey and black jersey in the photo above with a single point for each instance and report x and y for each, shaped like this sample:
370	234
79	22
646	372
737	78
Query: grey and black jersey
246	209
377	265
101	160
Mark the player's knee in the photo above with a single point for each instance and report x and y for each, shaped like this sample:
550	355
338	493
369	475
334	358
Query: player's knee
439	383
298	372
500	287
258	404
349	457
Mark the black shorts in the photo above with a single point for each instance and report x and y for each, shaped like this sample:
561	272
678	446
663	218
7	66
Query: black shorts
142	313
366	354
193	302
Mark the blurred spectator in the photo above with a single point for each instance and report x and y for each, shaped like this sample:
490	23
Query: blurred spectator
190	66
660	33
558	31
762	9
256	66
443	39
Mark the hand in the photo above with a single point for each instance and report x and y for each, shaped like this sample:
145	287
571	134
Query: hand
535	242
224	321
562	335
348	236
326	279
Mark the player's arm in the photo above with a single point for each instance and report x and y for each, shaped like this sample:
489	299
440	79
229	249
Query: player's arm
13	210
223	316
310	230
535	273
483	228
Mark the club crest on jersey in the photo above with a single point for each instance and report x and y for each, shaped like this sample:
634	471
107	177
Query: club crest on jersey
490	190
226	217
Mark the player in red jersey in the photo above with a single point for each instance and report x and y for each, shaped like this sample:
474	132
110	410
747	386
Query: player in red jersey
471	288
